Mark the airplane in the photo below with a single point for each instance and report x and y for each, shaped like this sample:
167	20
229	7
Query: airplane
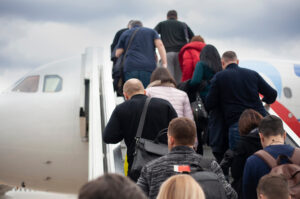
52	118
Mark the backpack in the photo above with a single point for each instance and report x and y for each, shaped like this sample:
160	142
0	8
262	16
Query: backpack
290	170
208	180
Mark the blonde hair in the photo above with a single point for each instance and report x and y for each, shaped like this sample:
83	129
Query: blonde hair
181	187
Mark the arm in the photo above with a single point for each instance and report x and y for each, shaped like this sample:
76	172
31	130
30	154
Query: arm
229	191
266	90
212	98
143	181
187	110
190	32
161	50
198	75
112	132
119	52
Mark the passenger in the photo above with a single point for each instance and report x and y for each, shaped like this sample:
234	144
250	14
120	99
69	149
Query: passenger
140	58
181	138
180	187
111	186
237	89
125	118
273	187
189	55
162	85
116	73
248	145
272	137
174	35
206	68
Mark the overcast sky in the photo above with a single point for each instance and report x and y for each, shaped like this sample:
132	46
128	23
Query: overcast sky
35	32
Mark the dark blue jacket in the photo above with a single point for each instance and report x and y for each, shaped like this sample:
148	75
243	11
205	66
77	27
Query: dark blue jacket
236	89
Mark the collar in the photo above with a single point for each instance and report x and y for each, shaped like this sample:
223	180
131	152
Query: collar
182	149
233	65
138	96
158	83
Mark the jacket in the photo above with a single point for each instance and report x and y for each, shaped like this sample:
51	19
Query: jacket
176	97
188	57
158	170
237	89
124	121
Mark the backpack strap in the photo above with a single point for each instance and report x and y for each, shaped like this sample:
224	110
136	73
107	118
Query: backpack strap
296	156
267	157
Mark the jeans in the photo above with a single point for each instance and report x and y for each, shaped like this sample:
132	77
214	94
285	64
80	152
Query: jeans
143	76
234	135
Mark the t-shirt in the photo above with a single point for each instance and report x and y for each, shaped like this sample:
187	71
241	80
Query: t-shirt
141	53
173	34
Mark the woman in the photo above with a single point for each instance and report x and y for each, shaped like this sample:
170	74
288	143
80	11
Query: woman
189	56
206	68
249	143
180	187
162	85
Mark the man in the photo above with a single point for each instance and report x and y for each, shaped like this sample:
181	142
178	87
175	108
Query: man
237	89
125	118
111	186
115	70
273	187
140	58
181	138
175	35
272	137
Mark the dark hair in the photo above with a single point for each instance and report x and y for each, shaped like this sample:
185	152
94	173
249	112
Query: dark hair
111	186
197	38
163	75
211	57
248	121
271	125
273	186
183	130
136	23
229	56
172	14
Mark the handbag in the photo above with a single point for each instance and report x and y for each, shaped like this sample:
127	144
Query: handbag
119	67
199	112
146	150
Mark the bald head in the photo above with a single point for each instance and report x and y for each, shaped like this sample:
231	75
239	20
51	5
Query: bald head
133	87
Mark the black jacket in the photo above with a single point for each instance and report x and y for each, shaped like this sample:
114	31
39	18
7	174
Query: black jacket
237	89
246	147
173	34
125	118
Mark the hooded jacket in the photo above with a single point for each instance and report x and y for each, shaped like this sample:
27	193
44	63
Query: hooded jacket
188	57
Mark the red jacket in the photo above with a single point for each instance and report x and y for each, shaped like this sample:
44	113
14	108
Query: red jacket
188	57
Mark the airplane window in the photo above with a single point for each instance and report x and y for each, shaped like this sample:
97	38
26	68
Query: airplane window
28	85
287	92
52	83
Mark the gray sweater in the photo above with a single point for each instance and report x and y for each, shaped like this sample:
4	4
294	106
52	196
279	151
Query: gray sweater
157	171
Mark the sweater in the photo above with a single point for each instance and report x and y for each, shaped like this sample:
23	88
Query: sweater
237	89
188	57
255	168
176	97
158	170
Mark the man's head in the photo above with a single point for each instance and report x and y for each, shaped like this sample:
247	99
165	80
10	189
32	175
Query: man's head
273	187
133	87
136	23
111	186
229	57
271	131
181	132
172	14
129	25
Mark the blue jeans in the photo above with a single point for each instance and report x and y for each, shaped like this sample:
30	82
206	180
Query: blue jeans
143	76
234	135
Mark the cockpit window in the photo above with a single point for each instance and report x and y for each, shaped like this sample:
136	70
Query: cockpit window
52	83
29	85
